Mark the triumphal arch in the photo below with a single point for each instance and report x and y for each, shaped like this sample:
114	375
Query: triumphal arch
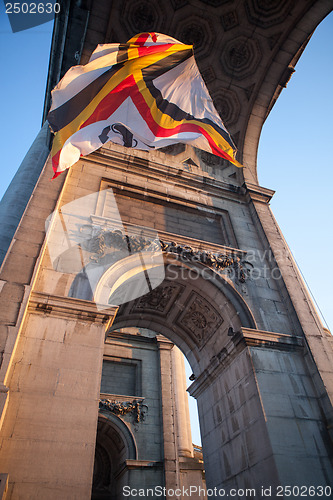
146	253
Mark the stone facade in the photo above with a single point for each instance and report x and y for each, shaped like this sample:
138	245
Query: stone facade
139	366
180	243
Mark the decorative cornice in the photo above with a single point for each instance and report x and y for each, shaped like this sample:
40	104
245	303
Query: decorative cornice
108	235
119	407
192	190
257	193
143	464
110	224
164	343
271	340
170	171
71	308
131	337
245	338
131	464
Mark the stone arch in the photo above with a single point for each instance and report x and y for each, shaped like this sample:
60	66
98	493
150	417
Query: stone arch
202	313
115	444
193	306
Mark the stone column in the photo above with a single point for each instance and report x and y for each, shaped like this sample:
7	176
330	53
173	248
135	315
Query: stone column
319	340
49	430
184	437
171	466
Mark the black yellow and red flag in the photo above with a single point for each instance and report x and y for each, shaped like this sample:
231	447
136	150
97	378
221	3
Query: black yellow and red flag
145	94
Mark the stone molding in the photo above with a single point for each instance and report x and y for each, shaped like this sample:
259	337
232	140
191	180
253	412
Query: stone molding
164	343
198	245
271	340
132	464
257	193
70	308
245	338
170	171
107	234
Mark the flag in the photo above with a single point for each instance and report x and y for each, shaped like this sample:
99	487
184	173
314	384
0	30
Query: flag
145	94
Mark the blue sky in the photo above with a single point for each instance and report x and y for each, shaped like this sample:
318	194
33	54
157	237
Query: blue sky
295	151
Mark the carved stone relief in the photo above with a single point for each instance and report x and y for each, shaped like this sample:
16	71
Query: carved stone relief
199	319
241	56
141	16
197	32
229	20
267	13
102	241
227	104
105	242
121	408
160	299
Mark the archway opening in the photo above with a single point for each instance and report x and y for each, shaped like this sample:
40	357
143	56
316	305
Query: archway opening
114	446
199	312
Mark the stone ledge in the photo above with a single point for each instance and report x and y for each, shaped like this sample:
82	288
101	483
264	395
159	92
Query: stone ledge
120	397
170	171
132	464
240	340
261	338
257	193
190	463
139	464
110	224
70	308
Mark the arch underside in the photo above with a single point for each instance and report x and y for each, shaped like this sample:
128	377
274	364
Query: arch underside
195	311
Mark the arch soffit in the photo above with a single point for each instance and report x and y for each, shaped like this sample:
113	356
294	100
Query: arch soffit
116	424
130	267
244	79
245	51
194	313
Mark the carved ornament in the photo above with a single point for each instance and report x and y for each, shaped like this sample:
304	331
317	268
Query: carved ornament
241	56
200	319
122	408
103	241
267	13
215	260
160	298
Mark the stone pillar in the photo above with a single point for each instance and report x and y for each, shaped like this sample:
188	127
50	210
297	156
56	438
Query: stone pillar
236	444
184	437
49	430
319	340
171	466
260	418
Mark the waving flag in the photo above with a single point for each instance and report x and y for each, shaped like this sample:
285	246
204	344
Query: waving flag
145	94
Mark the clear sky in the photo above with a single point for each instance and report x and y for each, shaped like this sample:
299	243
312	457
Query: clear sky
295	151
